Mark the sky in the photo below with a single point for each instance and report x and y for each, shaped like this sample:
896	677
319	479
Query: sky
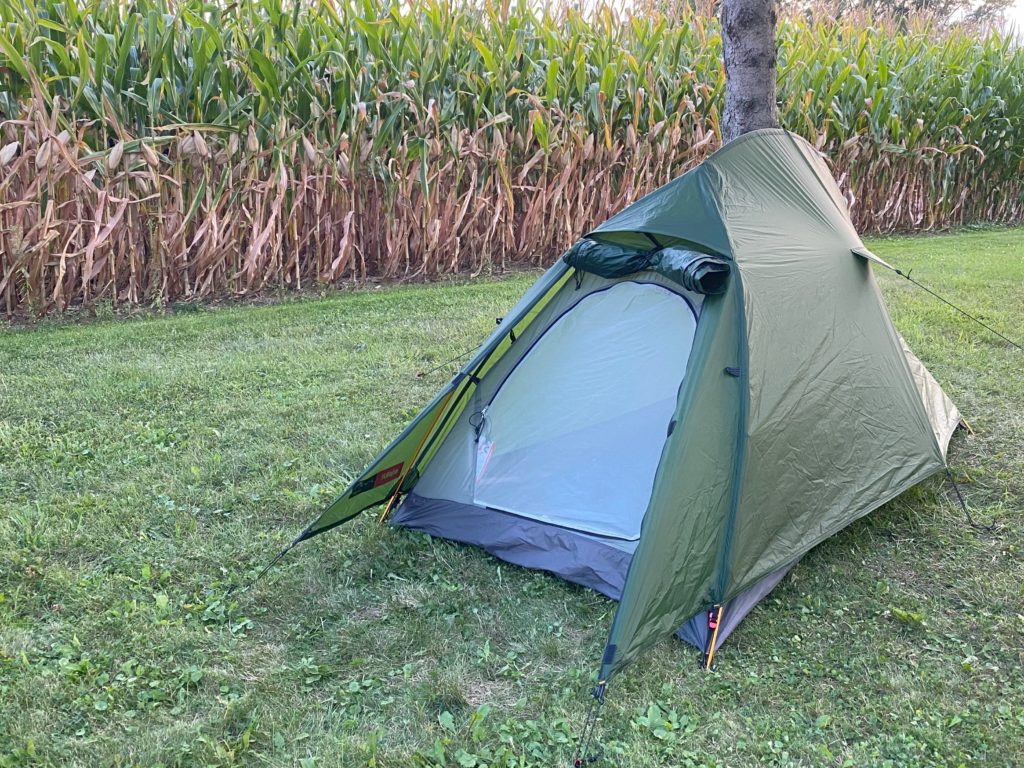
1016	15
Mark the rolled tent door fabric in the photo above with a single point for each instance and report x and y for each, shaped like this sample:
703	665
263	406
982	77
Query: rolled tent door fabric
606	259
698	272
574	434
695	271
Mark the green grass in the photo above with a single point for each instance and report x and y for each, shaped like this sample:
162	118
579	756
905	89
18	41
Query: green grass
147	466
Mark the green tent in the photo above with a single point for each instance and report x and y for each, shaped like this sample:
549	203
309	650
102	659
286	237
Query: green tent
695	395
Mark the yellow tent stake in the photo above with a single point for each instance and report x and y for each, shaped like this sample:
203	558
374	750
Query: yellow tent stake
394	496
714	640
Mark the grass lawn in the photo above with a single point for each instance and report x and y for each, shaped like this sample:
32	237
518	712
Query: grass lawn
148	466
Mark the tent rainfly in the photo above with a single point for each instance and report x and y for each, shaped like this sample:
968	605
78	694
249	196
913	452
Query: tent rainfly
696	394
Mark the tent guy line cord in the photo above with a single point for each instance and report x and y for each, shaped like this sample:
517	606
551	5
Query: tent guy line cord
268	566
963	312
949	475
461	355
448	362
654	240
963	506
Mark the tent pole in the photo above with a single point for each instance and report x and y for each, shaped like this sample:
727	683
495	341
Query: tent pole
398	487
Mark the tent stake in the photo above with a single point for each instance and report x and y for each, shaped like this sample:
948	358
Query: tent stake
580	757
714	621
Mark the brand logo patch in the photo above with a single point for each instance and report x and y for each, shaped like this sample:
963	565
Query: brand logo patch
383	477
387	475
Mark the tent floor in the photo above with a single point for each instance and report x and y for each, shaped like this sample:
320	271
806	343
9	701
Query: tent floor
592	561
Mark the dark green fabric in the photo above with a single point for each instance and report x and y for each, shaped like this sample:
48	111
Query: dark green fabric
670	212
606	259
697	272
829	423
676	561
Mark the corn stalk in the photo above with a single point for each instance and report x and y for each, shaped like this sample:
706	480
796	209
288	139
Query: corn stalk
161	151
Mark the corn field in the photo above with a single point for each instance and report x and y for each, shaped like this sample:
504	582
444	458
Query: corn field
164	150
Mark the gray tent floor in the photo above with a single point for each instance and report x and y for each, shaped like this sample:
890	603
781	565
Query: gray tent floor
600	563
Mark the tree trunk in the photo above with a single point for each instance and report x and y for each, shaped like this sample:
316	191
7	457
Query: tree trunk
748	51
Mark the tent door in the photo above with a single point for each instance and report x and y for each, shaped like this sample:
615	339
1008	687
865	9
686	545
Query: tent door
574	434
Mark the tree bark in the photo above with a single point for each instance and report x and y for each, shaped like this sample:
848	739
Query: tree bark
748	51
